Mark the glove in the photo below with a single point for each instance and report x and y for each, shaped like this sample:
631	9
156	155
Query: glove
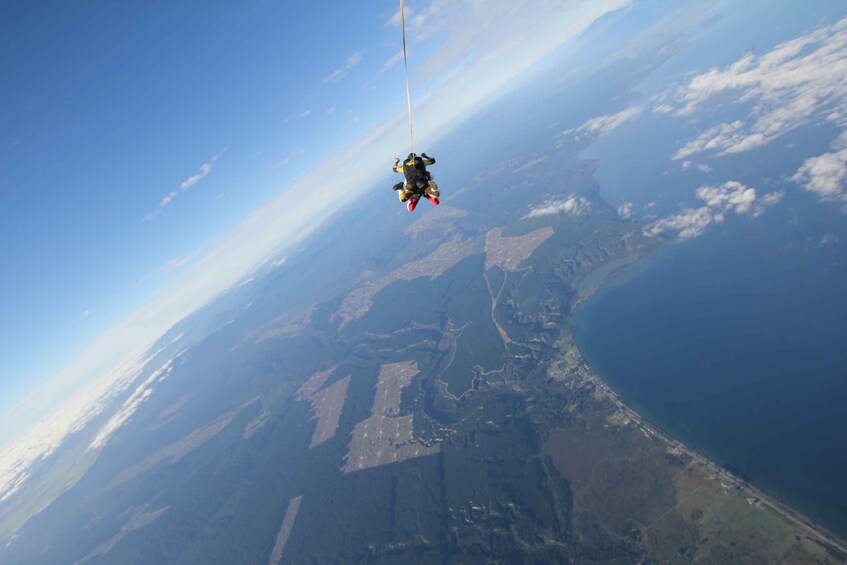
396	161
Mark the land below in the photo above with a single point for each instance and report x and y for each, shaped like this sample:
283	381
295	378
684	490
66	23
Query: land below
433	410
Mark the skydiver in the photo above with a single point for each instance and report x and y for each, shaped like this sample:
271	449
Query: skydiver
417	180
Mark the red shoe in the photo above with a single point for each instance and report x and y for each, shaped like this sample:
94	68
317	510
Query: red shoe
411	204
433	199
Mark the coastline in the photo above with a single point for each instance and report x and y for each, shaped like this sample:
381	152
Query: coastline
761	498
754	494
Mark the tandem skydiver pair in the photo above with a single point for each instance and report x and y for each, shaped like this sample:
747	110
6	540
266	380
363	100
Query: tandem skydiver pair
417	180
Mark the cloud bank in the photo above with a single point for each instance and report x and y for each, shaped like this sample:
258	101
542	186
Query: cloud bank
607	123
572	205
797	83
625	210
138	397
204	170
826	175
730	197
342	71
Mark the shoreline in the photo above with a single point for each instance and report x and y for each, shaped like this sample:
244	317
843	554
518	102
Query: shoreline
761	498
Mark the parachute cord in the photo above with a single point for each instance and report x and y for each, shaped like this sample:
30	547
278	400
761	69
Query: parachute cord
406	68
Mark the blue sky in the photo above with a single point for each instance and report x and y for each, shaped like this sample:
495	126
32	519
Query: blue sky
109	107
146	145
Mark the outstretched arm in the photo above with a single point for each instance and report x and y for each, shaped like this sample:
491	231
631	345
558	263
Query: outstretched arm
398	166
427	160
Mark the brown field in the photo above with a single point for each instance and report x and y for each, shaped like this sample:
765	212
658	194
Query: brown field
358	302
430	221
255	424
386	437
179	449
392	380
327	405
138	519
509	252
284	531
531	163
381	440
314	384
284	326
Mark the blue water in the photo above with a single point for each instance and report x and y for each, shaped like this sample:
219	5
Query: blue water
736	343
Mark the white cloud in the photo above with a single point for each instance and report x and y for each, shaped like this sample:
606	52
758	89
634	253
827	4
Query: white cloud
702	167
797	83
162	203
298	115
136	399
766	202
439	16
828	239
531	163
285	160
475	30
74	414
342	71
167	199
42	440
335	75
391	61
573	205
329	110
204	170
719	137
607	123
394	20
689	223
730	197
625	210
826	175
179	262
